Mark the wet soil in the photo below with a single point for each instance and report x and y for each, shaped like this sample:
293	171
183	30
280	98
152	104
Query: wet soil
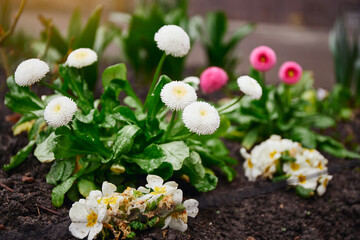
236	210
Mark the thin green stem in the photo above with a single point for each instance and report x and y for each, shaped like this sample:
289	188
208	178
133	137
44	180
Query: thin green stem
170	126
182	137
229	105
155	79
56	89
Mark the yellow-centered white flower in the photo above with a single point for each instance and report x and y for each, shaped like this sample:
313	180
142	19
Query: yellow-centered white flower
107	196
59	111
250	87
323	182
177	95
30	71
81	57
173	40
156	184
178	220
201	118
87	218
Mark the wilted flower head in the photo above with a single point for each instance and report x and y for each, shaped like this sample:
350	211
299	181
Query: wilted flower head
177	95
262	58
212	79
59	111
173	40
81	57
250	87
201	118
192	81
290	72
30	71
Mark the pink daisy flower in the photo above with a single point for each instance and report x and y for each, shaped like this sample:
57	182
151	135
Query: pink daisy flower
290	72
263	58
212	79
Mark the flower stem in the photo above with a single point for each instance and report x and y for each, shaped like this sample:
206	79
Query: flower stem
230	104
56	89
182	137
155	79
170	126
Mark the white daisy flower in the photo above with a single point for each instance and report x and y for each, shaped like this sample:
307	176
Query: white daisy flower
178	220
321	94
177	95
173	40
30	71
107	196
87	219
323	182
250	87
59	111
81	57
201	118
192	81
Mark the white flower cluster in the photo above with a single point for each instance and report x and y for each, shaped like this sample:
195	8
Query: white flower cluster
250	87
30	71
59	111
309	170
81	57
110	211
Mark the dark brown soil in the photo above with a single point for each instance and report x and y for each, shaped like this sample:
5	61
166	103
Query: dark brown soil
236	210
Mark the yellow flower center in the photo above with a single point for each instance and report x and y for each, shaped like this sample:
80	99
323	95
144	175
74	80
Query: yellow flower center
92	218
159	190
320	166
309	162
179	91
272	154
81	55
295	166
262	59
325	182
302	179
249	163
110	200
203	112
290	73
57	108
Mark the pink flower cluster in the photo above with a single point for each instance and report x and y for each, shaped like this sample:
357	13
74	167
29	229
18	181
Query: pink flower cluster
212	79
263	59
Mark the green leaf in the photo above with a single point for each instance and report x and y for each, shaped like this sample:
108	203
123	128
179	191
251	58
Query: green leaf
87	36
85	187
60	171
74	27
199	179
58	192
250	138
239	35
21	155
305	136
123	113
149	160
135	225
334	147
216	25
124	140
154	102
56	40
42	151
34	131
117	71
176	153
304	192
22	99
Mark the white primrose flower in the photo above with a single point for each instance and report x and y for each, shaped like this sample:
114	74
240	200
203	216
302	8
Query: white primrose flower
81	57
177	95
156	184
192	81
201	118
250	87
30	71
59	111
173	40
178	220
87	217
323	182
321	94
107	196
307	178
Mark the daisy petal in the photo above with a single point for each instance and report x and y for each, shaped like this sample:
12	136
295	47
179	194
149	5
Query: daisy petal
153	181
78	212
95	230
191	206
79	230
108	189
